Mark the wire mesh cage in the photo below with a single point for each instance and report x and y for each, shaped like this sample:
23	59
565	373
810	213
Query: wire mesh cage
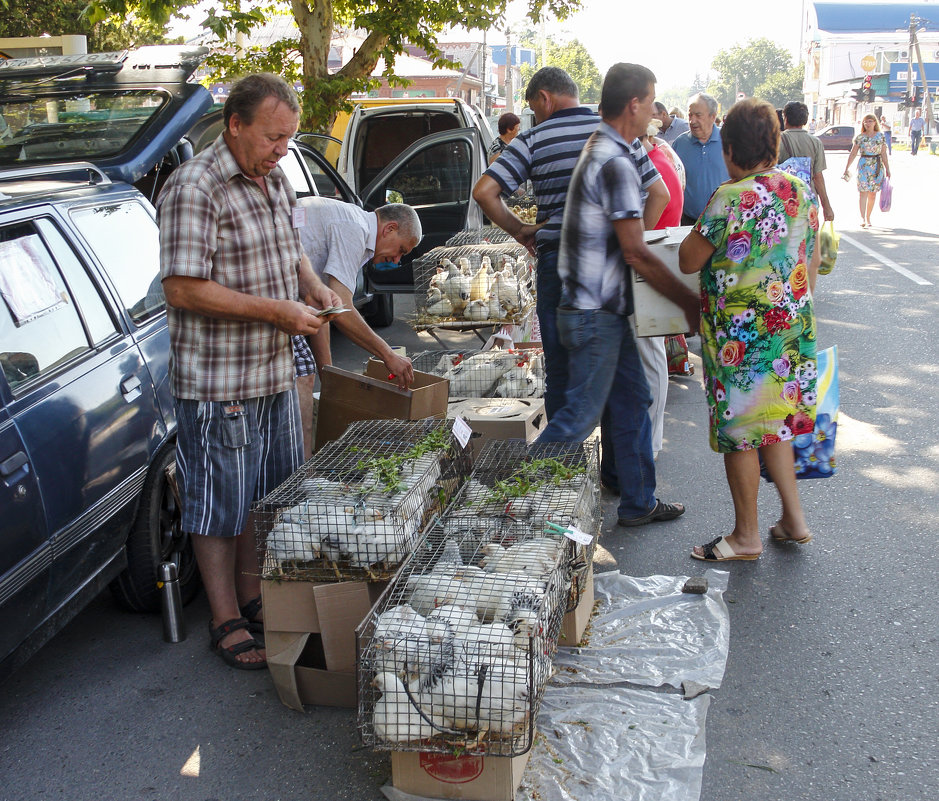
487	235
469	285
518	494
355	509
514	373
456	657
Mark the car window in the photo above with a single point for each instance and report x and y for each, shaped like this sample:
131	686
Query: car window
40	328
325	185
94	312
293	169
437	174
127	241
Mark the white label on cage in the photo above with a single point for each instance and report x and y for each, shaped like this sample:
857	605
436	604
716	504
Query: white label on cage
580	537
462	431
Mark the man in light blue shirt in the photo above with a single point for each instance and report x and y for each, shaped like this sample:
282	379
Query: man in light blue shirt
917	124
672	127
700	151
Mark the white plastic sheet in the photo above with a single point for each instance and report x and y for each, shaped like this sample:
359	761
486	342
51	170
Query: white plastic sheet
647	631
606	743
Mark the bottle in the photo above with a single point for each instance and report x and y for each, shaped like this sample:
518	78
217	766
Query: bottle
174	630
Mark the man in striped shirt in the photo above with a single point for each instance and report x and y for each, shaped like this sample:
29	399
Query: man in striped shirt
601	238
545	155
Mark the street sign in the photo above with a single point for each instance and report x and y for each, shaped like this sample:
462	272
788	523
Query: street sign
868	63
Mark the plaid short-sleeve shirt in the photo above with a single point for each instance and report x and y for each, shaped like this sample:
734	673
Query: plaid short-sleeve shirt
217	224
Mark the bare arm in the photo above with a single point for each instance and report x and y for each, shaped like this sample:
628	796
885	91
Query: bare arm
851	155
819	180
355	328
313	291
650	267
813	266
488	194
694	252
211	299
883	158
655	204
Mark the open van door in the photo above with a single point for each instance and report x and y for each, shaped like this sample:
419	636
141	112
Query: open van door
436	176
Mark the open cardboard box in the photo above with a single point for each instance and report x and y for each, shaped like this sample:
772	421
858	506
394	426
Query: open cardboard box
499	418
575	622
309	631
655	315
346	397
480	778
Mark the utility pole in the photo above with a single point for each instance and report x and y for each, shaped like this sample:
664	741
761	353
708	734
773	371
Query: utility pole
509	91
914	41
486	108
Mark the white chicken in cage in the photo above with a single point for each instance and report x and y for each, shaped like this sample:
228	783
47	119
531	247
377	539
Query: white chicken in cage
365	544
438	304
476	310
395	718
455	286
489	697
537	557
497	597
427	591
481	283
451	620
288	540
518	382
475	375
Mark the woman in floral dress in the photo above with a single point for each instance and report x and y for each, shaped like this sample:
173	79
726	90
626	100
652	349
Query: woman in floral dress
870	146
754	245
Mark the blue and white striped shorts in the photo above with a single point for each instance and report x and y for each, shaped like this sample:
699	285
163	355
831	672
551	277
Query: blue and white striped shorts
232	453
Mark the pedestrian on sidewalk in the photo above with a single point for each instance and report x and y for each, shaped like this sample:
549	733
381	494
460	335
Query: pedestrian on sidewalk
873	166
755	246
917	124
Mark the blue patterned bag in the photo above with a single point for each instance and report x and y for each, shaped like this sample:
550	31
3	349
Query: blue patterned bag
815	452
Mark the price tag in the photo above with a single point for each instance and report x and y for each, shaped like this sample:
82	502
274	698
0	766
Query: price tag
462	431
299	216
580	537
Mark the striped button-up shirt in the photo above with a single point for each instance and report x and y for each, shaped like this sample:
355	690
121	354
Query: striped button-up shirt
217	224
610	183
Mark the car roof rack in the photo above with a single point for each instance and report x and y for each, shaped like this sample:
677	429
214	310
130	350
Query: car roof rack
73	174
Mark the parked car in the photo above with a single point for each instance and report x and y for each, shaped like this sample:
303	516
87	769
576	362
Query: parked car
87	421
837	137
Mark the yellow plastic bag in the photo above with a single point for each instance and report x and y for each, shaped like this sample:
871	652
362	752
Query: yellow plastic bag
828	240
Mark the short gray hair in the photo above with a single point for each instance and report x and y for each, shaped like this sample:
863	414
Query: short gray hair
252	90
708	100
553	80
409	224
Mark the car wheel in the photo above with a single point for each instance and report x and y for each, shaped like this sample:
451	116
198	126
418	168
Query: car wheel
379	312
156	537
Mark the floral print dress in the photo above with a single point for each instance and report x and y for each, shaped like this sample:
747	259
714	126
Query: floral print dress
870	169
757	320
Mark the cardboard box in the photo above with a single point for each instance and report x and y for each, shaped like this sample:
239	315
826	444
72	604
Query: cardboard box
655	315
480	778
575	623
499	418
346	397
309	632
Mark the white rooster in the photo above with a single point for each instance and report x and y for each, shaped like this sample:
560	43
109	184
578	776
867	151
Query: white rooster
395	718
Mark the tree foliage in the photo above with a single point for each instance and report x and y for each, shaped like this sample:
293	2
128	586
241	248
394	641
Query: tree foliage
390	26
760	68
572	57
67	17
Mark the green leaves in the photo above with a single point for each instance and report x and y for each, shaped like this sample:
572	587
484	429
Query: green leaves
531	476
760	68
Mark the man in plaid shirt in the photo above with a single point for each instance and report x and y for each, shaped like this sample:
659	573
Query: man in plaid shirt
237	288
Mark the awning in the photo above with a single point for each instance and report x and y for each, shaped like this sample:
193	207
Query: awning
873	17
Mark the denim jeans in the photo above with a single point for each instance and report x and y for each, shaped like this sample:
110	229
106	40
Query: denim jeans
915	137
606	379
556	356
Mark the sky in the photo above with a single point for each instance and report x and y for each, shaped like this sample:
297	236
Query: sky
674	38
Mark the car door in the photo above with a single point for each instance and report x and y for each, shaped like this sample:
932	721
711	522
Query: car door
87	413
436	176
25	547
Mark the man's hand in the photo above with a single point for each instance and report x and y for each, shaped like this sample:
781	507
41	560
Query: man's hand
402	370
829	213
322	297
313	291
526	236
692	309
293	317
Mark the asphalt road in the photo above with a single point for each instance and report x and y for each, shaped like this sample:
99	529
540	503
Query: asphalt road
830	689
